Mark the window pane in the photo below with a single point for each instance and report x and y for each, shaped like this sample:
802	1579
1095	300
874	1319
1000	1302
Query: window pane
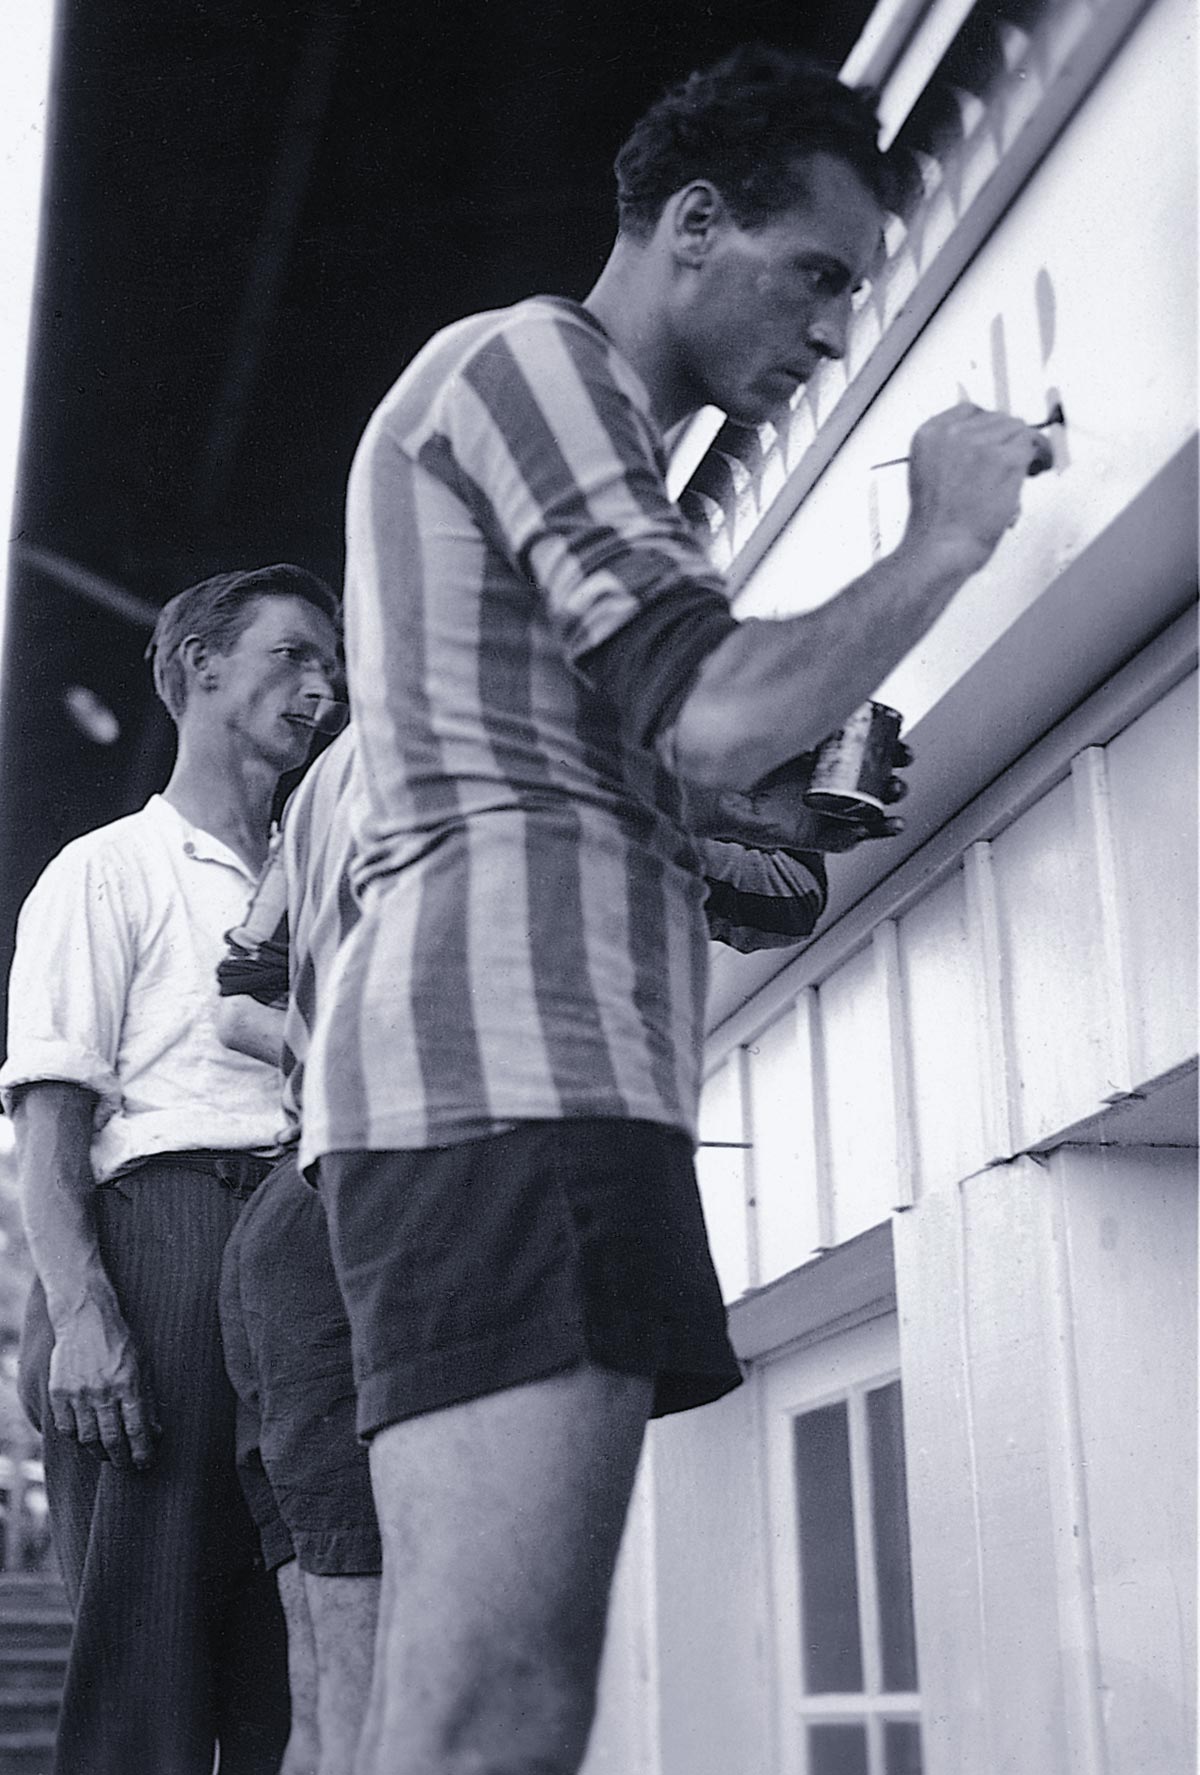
902	1747
837	1750
893	1567
829	1584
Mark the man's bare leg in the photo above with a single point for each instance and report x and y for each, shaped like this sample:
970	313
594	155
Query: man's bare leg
300	1757
501	1522
343	1613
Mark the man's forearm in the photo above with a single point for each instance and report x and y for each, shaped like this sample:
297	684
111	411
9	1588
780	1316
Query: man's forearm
770	690
53	1124
251	1028
773	689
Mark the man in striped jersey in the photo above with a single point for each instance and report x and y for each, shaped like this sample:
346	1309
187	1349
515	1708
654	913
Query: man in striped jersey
287	1341
502	1086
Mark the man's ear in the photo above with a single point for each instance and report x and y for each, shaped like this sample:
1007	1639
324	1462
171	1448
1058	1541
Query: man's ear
696	215
199	662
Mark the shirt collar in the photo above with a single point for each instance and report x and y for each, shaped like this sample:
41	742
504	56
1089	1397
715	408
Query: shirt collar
194	841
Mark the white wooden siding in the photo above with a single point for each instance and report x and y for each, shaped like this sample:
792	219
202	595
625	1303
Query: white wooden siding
1052	971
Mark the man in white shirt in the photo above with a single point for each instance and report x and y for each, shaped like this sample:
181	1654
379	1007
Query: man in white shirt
139	1136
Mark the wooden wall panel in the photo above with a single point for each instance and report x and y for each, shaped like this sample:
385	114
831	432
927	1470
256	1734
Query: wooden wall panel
783	1126
722	1172
1053	968
1128	1232
859	1096
715	1714
943	1010
1153	796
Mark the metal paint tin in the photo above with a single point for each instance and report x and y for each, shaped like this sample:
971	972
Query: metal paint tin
854	764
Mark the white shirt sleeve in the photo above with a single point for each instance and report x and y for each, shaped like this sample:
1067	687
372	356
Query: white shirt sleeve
75	954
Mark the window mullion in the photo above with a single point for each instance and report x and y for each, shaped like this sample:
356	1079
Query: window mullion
864	1542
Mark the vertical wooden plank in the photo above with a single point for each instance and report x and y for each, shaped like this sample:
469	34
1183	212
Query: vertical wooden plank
948	1596
1069	1504
810	1036
886	946
945	1042
1053	991
723	1175
1093	824
858	1095
780	1093
715	1697
1127	1220
1151	771
742	1062
997	1072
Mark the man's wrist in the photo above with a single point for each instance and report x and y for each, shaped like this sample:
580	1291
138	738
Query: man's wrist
940	561
88	1297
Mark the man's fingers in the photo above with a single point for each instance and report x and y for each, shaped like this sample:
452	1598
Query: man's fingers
141	1430
85	1426
112	1432
902	755
895	789
64	1417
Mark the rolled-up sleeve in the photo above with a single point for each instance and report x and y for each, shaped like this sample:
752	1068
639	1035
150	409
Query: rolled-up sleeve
70	978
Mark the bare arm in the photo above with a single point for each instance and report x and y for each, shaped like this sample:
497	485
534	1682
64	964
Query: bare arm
251	1028
97	1392
771	690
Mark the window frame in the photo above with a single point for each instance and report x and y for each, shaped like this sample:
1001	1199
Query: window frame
838	1369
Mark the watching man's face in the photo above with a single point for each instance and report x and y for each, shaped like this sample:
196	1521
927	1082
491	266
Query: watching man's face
271	680
769	303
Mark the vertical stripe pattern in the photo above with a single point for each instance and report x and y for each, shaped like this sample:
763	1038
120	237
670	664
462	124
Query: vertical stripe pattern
532	942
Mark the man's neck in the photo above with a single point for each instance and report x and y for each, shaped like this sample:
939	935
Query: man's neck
225	793
627	301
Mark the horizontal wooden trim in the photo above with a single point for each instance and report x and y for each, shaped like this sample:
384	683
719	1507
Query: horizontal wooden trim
839	1289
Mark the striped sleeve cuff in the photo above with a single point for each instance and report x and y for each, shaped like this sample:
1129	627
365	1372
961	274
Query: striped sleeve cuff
762	899
646	669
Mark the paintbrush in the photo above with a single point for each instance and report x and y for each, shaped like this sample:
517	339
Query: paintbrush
1056	416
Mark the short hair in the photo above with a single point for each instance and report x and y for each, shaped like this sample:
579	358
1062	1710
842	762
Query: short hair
747	124
217	610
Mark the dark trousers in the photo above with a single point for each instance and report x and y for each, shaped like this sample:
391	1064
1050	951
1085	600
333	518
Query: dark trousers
179	1641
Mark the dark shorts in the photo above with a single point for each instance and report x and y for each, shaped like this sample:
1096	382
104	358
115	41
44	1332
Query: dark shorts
474	1268
287	1350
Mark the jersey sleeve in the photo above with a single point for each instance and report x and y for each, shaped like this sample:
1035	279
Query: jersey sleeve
544	432
760	899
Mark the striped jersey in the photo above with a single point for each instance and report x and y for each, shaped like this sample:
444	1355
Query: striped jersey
321	907
532	941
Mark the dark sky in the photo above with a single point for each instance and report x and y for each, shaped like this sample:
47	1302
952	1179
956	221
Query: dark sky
255	214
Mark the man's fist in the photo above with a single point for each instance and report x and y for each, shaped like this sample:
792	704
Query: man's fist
965	474
773	815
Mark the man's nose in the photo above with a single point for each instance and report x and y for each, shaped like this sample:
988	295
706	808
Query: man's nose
829	328
317	682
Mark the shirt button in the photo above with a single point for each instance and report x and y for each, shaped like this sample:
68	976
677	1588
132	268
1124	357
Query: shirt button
189	849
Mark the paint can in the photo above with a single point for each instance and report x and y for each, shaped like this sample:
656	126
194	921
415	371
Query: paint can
853	766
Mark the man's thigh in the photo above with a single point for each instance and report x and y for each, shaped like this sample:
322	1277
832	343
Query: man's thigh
501	1520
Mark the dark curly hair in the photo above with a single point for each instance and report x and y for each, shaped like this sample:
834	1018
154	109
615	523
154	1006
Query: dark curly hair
747	124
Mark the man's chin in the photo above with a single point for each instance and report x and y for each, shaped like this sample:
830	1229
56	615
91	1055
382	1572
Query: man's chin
757	409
